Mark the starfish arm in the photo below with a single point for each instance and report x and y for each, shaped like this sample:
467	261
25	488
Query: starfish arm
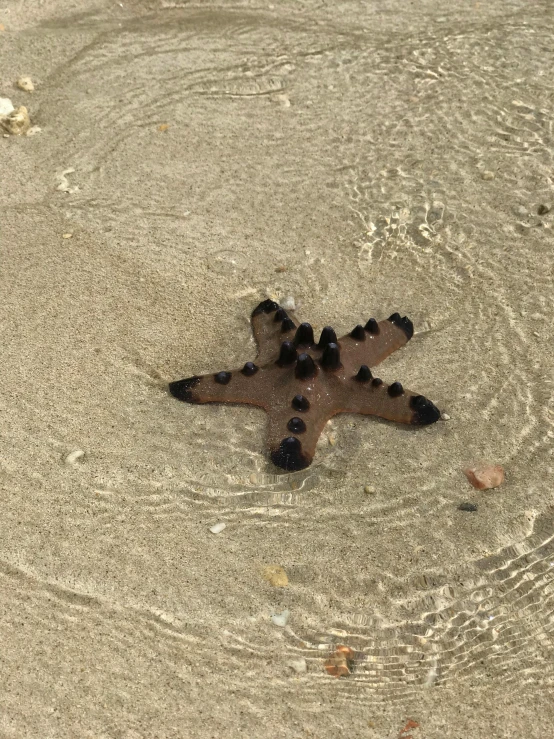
376	341
271	326
292	436
246	386
391	402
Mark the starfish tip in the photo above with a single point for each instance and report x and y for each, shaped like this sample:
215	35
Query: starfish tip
425	412
289	455
403	323
266	306
182	389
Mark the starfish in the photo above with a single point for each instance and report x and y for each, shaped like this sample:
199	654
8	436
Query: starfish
302	384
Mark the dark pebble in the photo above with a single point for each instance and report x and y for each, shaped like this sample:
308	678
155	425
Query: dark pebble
467	507
543	209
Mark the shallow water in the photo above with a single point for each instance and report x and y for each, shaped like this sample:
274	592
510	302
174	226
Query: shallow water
363	159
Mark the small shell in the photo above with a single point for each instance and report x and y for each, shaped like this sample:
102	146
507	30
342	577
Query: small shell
217	528
485	476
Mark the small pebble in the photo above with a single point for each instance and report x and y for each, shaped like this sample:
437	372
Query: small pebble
543	209
17	122
472	507
67	236
488	175
341	662
74	456
217	528
298	665
445	417
520	211
163	127
280	619
25	83
289	303
485	476
369	490
276	575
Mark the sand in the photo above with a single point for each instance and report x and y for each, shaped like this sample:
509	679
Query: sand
193	159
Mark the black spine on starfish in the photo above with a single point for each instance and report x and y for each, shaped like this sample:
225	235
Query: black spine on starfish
249	369
300	403
372	327
328	336
305	367
304	334
364	374
287	353
287	325
280	315
358	333
404	323
330	359
222	378
395	390
296	425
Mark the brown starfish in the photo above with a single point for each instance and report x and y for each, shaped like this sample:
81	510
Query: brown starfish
302	384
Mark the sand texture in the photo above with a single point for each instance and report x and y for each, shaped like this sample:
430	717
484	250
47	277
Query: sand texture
185	161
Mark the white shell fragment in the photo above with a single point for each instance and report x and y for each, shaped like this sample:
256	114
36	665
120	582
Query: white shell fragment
6	106
64	185
217	528
74	456
280	619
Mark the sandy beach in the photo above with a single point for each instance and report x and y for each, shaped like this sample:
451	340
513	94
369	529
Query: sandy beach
181	163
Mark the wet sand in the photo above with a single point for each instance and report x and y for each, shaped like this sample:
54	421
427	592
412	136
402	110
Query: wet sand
359	159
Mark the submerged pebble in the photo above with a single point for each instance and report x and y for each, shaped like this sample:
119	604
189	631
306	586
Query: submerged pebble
543	209
275	575
17	122
74	456
485	476
298	665
25	83
280	619
471	507
341	662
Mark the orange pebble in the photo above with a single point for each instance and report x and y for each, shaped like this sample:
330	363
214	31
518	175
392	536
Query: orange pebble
485	476
341	662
